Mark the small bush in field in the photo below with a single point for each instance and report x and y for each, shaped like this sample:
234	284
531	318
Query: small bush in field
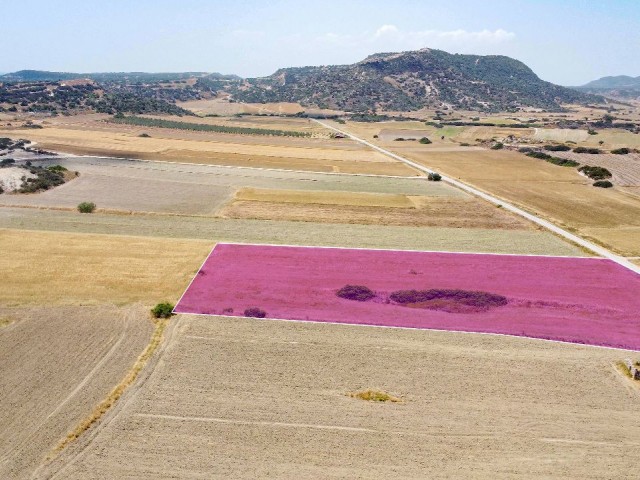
498	146
359	293
425	141
86	207
434	177
162	310
621	151
255	312
603	184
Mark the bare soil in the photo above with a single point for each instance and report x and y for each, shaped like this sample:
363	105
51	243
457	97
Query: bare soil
245	398
56	364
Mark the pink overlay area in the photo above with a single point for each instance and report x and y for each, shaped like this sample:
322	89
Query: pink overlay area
578	300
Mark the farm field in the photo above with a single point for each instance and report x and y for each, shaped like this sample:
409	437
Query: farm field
290	233
590	301
98	269
280	407
625	169
559	194
415	211
219	106
140	186
68	374
316	155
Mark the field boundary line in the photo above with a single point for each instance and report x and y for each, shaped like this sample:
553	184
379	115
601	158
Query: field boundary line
496	201
404	250
367	325
194	277
343	174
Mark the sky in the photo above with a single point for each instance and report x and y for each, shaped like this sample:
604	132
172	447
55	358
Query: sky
568	42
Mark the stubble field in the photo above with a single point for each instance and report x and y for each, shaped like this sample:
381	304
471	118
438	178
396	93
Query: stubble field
248	398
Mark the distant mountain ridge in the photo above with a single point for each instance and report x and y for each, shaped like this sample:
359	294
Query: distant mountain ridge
619	81
45	76
617	87
412	80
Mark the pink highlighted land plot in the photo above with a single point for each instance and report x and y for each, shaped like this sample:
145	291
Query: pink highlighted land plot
579	300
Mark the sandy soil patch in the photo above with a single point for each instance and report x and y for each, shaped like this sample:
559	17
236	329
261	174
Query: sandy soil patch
11	178
279	406
56	364
71	269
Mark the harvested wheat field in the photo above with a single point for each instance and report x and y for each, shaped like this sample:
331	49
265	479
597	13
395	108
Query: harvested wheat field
281	407
534	242
53	268
159	187
323	156
56	365
368	209
625	169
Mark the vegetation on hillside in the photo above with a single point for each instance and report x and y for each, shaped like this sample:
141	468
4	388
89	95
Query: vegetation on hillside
202	127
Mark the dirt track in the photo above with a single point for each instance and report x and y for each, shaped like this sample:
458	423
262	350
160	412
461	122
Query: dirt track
251	399
50	381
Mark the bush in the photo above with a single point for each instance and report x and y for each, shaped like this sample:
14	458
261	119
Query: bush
595	173
603	184
591	151
144	135
86	207
255	312
5	162
425	141
359	293
498	146
434	177
57	168
162	310
621	151
465	297
592	132
399	139
557	148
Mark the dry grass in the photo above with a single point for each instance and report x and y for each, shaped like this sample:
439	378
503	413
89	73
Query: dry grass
116	393
79	269
5	322
325	198
375	396
609	216
221	151
56	364
492	398
424	212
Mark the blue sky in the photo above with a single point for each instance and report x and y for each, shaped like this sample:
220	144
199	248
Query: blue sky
568	42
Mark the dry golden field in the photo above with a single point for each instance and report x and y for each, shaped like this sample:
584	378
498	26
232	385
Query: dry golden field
368	209
51	268
245	398
560	194
56	365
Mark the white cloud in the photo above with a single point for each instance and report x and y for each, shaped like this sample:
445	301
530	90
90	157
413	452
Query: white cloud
390	37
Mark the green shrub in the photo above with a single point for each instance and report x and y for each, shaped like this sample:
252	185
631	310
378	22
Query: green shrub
498	146
359	293
603	184
595	173
162	310
557	148
255	312
86	207
621	151
399	139
591	151
57	168
425	141
144	135
434	177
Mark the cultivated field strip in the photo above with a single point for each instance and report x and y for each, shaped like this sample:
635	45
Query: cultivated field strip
52	380
251	399
533	242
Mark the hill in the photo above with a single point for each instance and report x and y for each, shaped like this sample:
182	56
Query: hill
145	77
412	80
621	86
